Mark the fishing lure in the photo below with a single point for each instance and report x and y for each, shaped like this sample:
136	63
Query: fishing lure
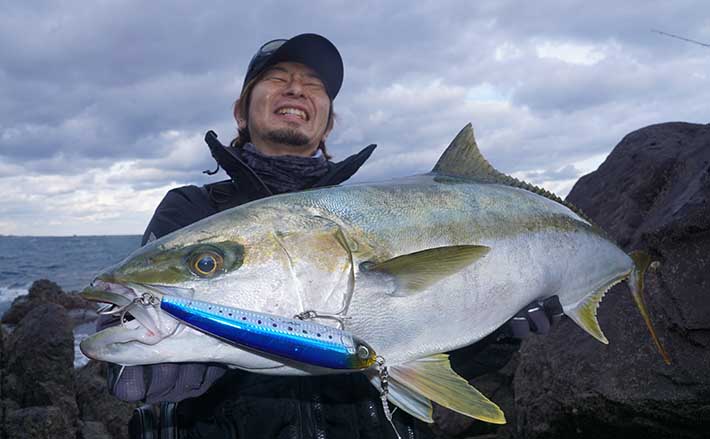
299	340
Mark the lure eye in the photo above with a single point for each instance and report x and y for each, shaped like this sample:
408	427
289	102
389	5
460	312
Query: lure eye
206	264
363	352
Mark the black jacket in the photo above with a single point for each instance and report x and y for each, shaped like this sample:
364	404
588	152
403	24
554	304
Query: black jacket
246	405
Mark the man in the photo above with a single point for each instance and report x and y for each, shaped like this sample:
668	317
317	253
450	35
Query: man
284	116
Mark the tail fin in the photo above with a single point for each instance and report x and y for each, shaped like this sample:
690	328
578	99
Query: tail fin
641	262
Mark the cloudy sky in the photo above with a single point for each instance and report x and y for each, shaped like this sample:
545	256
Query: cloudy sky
103	104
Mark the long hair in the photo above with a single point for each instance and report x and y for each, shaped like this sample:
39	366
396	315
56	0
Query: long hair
242	106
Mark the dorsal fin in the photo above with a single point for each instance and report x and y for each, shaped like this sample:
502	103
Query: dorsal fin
463	159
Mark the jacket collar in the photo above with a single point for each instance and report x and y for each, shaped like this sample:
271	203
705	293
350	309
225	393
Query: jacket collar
239	172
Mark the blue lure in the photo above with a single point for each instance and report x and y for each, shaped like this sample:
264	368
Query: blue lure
298	340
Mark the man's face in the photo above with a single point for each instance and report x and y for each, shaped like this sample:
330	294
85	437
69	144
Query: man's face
288	111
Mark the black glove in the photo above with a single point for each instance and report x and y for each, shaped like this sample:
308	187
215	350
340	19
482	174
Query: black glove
159	382
537	317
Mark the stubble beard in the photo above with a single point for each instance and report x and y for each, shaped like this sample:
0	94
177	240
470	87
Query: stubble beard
287	136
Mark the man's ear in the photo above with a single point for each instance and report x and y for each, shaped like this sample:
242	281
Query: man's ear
240	118
329	127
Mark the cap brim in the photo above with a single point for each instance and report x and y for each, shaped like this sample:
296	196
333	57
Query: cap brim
315	52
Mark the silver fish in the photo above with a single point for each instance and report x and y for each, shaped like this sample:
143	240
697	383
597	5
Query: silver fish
416	267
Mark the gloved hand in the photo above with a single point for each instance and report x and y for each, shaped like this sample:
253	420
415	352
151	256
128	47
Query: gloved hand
159	382
537	317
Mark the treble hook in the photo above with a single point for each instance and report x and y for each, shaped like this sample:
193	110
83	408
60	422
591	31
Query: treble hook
146	299
311	314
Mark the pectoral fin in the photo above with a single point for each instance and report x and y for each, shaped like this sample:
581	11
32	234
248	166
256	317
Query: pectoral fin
417	271
433	379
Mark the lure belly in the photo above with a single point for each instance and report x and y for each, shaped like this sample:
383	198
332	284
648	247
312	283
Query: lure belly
298	340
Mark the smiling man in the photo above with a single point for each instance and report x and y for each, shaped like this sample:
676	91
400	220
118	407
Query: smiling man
290	111
284	115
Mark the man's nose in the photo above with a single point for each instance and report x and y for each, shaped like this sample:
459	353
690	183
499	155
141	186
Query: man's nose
294	87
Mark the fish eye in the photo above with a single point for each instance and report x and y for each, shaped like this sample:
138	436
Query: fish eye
206	263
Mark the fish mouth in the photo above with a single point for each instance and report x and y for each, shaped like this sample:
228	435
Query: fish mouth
137	307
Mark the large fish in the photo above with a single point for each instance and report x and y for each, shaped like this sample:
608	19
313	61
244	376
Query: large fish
416	267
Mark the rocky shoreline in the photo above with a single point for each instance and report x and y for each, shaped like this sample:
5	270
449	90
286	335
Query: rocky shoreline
42	394
652	193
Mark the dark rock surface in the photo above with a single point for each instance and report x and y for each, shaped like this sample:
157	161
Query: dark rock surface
46	291
40	359
41	394
95	430
46	422
652	193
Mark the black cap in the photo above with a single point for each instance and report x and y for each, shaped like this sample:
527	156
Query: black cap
311	50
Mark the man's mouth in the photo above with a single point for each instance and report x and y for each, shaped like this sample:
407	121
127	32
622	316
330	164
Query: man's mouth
293	112
145	321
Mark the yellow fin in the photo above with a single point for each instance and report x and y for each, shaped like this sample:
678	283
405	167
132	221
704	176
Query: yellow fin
417	271
463	159
411	402
433	378
641	263
585	314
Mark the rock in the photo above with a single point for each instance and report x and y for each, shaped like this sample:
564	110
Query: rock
39	356
94	430
38	423
80	316
652	193
656	177
95	403
46	291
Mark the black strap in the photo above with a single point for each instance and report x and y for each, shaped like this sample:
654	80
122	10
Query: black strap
143	424
168	423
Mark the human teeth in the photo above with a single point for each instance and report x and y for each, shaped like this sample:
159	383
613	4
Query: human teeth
293	111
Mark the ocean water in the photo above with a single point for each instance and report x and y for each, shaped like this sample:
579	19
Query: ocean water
70	261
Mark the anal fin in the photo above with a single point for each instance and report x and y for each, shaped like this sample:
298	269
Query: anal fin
585	313
433	379
411	402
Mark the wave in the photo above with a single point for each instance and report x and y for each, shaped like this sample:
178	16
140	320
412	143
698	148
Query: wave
8	294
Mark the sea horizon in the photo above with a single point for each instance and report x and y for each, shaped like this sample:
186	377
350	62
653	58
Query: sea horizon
71	261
